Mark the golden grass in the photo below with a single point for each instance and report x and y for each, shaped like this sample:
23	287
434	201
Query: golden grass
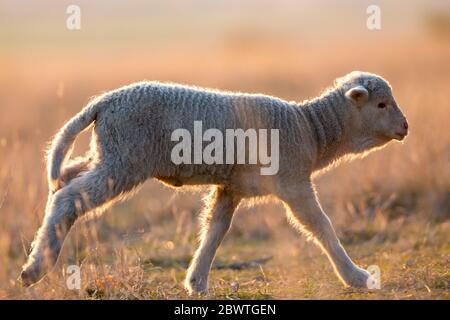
390	209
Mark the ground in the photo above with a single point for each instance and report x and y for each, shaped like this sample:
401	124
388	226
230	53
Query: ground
148	262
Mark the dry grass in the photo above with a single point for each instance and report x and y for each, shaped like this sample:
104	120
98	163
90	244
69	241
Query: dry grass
391	209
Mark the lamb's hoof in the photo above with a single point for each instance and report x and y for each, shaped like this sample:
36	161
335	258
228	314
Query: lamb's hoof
29	277
196	287
358	279
32	272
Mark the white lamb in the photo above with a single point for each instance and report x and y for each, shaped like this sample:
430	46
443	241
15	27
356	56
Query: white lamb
132	142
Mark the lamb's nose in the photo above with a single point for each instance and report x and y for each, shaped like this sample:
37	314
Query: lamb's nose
405	125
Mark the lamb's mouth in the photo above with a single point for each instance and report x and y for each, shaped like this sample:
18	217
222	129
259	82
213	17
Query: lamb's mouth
399	136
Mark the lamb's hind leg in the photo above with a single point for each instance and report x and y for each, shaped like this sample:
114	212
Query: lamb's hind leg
307	215
216	220
74	168
84	193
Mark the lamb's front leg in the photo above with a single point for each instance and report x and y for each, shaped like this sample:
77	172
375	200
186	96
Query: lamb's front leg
307	215
216	220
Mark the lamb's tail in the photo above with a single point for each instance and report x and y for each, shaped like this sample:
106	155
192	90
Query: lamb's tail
62	144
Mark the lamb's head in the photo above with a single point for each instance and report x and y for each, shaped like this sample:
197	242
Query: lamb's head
376	117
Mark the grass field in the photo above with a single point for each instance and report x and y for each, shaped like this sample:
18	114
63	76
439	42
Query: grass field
391	209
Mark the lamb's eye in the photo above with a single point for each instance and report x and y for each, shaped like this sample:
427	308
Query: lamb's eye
382	105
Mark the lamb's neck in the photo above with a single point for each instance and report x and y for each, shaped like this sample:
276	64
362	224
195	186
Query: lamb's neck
329	118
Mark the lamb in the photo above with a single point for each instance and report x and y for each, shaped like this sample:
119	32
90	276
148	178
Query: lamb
131	142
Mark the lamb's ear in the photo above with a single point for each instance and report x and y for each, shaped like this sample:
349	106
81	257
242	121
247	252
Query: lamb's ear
358	95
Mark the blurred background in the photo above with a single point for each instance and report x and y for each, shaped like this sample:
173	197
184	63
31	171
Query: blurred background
391	208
